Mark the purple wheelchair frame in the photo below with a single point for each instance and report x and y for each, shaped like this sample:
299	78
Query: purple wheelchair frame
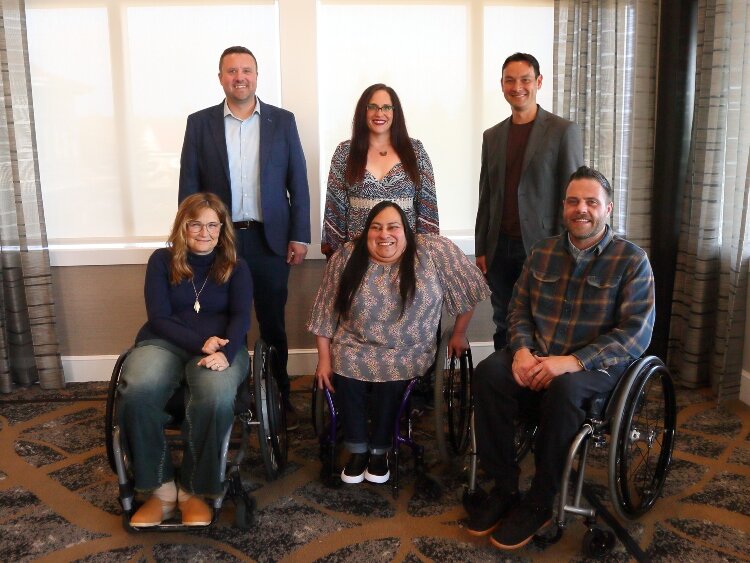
328	439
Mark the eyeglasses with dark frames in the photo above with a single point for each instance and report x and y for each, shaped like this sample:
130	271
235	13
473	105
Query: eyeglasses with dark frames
385	108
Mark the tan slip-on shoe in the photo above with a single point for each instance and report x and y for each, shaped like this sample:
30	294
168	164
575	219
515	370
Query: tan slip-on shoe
195	512
152	513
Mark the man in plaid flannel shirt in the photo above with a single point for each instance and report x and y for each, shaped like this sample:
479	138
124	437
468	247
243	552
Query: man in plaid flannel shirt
582	311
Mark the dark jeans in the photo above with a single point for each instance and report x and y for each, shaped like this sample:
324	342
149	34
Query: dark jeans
502	274
499	399
384	400
270	274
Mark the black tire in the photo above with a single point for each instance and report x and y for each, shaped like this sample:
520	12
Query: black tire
442	369
320	410
261	367
642	440
458	400
244	512
276	410
452	400
315	397
597	542
110	412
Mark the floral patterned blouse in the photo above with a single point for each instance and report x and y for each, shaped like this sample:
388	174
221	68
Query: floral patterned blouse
375	343
347	206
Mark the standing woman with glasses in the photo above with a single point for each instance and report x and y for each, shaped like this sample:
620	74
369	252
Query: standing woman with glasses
198	298
380	162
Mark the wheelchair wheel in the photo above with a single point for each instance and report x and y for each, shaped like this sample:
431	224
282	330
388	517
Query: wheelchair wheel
642	438
110	413
276	411
319	409
452	400
272	437
597	542
244	512
458	400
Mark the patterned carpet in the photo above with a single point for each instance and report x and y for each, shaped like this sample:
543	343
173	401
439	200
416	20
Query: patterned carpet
58	497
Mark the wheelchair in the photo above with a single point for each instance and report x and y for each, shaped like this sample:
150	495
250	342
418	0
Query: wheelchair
454	416
636	422
258	403
326	421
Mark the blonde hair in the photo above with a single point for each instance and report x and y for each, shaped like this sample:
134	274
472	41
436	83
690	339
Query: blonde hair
226	248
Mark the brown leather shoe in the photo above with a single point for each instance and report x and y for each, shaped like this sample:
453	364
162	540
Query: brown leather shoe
152	513
195	512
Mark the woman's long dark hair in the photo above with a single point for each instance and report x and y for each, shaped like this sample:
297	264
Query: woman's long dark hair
354	271
357	161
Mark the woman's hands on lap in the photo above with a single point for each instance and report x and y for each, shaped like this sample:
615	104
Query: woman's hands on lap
216	361
213	344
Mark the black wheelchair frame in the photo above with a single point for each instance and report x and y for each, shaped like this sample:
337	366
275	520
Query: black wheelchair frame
637	421
258	403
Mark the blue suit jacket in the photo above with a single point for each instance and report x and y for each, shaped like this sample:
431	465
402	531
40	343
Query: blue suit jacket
285	196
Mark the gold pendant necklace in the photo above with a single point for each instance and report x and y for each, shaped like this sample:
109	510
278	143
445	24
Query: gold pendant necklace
197	305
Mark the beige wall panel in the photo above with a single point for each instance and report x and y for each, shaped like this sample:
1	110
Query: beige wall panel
100	308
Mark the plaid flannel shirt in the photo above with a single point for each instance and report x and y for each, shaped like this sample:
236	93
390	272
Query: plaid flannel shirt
599	308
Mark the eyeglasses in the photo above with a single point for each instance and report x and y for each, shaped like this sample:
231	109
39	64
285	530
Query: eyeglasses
196	227
385	108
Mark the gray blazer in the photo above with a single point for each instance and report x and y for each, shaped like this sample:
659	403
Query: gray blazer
554	151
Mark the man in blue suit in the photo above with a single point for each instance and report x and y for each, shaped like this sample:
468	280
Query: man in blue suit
249	154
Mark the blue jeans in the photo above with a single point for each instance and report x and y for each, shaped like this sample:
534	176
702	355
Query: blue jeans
152	372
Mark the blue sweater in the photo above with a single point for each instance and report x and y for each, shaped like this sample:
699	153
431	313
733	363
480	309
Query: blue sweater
224	311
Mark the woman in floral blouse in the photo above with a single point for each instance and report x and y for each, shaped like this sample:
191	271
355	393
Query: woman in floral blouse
379	163
375	317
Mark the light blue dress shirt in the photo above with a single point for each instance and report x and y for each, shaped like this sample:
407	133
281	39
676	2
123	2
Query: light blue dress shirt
243	150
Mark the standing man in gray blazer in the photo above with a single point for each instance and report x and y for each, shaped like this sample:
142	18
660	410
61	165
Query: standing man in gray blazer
249	154
526	163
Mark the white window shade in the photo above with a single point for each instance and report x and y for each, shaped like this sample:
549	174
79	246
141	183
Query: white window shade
444	60
112	88
113	82
422	52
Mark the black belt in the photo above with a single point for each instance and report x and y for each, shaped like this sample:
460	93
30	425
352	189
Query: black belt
242	225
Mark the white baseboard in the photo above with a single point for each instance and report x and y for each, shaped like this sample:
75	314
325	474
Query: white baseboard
80	369
745	387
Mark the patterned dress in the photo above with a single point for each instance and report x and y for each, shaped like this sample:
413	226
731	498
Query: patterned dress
375	343
347	206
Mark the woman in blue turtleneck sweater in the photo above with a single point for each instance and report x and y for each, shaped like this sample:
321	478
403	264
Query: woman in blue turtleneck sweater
198	297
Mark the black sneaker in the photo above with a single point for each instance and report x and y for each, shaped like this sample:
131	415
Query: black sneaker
354	472
495	506
521	525
377	469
